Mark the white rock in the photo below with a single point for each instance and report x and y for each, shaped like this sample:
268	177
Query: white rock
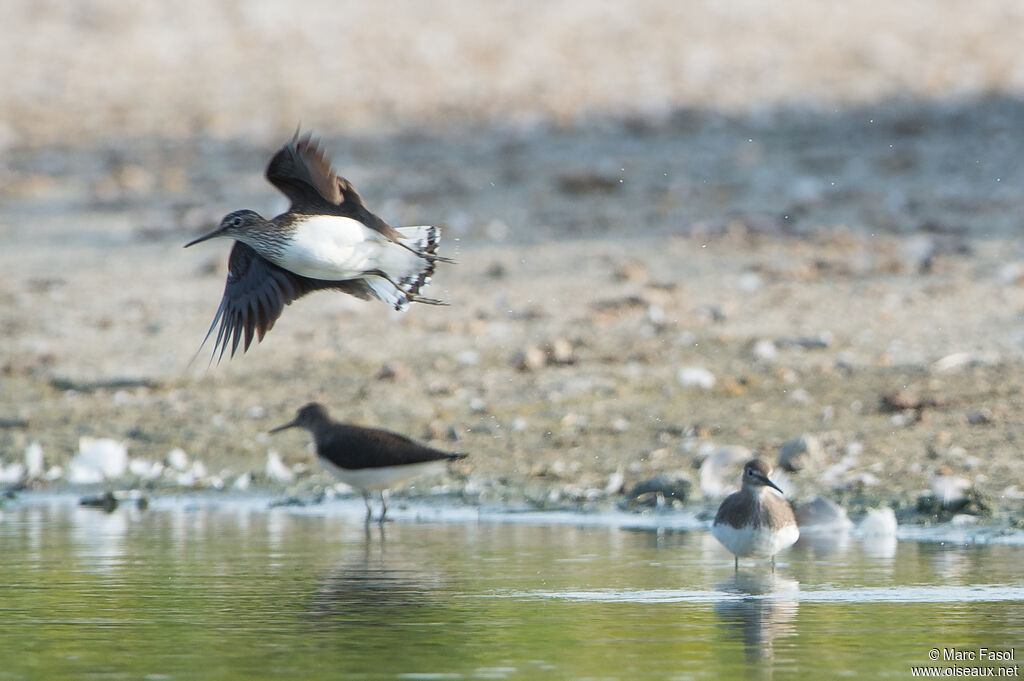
147	470
468	358
750	282
615	482
950	490
801	452
242	482
879	522
720	470
12	474
54	473
765	350
199	469
178	459
98	459
822	515
276	469
952	362
696	377
34	460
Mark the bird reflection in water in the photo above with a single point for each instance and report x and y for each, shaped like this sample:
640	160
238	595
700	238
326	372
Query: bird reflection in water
766	611
380	587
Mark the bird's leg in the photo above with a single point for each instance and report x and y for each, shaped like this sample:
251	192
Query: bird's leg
369	509
384	505
736	564
411	297
773	565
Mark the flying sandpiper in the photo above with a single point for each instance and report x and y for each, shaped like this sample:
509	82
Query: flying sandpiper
756	520
368	459
327	239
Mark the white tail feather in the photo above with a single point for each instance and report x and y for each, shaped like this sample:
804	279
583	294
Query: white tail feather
408	266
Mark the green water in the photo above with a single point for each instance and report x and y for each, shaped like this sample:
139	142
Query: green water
243	592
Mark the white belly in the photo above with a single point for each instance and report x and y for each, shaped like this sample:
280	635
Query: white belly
332	247
761	542
375	479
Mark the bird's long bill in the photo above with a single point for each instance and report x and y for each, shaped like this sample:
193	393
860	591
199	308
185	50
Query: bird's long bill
290	424
766	481
214	233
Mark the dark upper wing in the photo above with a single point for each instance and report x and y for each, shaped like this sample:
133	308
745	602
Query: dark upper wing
302	172
255	294
356	447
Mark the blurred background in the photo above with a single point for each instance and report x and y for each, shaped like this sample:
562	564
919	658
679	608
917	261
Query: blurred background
678	224
102	69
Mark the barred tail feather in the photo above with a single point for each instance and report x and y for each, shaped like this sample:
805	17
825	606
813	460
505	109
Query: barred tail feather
406	268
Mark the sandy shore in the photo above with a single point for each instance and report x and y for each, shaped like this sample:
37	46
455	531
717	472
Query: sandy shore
647	275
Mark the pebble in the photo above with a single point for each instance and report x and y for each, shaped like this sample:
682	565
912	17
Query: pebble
696	377
821	515
177	459
720	470
799	453
98	459
879	522
13	473
147	470
765	350
276	469
34	460
980	417
667	487
950	491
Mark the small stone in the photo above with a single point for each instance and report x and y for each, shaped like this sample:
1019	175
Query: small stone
631	271
531	358
879	522
950	491
389	371
98	460
276	469
980	417
34	460
178	459
720	470
616	482
665	487
107	501
696	377
765	350
750	282
798	454
821	515
468	358
560	352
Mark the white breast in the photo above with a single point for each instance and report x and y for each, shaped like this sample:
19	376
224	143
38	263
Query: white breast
332	247
762	542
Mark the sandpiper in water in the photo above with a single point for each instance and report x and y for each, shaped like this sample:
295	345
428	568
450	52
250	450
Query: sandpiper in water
369	459
327	239
755	521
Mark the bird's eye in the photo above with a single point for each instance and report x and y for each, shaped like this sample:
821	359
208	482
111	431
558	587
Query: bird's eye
236	222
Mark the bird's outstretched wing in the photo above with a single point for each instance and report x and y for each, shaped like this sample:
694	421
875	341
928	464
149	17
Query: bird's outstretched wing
255	294
303	174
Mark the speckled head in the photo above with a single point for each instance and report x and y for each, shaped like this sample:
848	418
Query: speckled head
234	226
755	474
310	416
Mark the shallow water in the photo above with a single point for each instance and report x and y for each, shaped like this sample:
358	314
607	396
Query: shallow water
188	590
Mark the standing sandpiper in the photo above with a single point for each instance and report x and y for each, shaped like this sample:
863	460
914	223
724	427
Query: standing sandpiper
327	240
755	521
368	459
